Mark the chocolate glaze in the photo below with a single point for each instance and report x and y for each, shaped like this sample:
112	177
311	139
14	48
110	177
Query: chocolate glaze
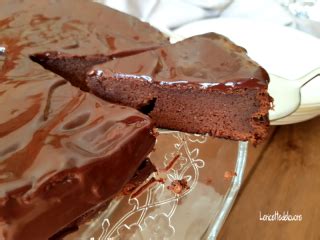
62	151
209	61
71	25
69	158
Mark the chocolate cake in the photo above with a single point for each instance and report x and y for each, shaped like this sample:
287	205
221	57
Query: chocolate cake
204	84
64	153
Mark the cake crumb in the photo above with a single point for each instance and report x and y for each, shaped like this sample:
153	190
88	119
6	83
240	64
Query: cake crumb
178	186
155	132
229	175
209	181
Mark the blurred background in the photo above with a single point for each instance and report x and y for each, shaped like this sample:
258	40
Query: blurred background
171	14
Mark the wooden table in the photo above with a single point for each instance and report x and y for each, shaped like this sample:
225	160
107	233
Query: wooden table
283	174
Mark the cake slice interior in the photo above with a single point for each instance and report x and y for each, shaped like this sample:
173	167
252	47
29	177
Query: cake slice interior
204	84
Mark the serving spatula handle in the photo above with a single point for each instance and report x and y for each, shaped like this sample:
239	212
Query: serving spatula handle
308	77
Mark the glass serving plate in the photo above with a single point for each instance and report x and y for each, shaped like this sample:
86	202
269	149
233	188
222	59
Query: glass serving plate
198	212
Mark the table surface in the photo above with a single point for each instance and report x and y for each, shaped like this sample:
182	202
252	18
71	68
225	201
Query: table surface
282	174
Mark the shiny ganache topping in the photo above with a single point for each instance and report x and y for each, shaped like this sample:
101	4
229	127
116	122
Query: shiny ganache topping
205	61
51	118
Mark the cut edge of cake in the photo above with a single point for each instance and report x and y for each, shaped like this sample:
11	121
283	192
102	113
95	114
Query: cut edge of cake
250	98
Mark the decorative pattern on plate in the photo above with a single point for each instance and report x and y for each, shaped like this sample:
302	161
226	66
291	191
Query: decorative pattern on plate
151	221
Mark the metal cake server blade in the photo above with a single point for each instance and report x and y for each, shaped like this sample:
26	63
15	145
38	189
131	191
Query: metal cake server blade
287	94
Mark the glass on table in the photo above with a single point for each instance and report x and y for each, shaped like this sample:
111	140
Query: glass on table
213	170
305	14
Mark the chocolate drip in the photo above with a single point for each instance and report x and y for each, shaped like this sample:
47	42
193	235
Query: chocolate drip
48	103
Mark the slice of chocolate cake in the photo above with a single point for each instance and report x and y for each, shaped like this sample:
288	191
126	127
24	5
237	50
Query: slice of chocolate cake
205	84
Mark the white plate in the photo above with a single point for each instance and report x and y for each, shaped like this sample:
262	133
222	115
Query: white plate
283	51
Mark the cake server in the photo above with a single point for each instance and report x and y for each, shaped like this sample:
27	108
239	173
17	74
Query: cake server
287	94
